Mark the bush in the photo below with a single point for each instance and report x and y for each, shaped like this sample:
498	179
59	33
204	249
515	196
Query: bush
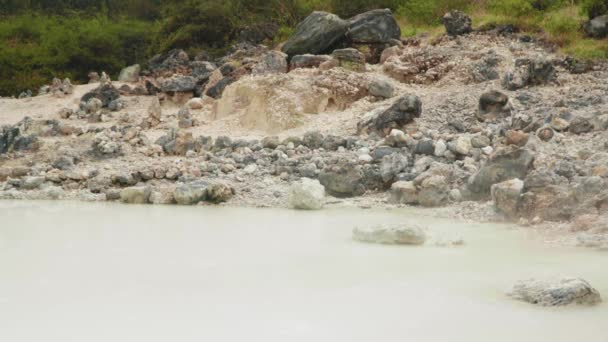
36	48
594	8
430	12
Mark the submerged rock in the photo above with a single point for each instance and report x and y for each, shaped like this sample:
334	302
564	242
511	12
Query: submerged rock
307	194
556	293
396	234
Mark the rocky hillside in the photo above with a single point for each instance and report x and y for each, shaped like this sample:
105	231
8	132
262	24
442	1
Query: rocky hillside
470	120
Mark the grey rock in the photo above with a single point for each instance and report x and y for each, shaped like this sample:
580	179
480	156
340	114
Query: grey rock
493	105
273	62
403	111
219	193
135	195
392	165
106	93
190	193
529	72
376	26
316	34
217	90
307	194
178	84
307	61
597	27
559	292
506	164
457	23
130	74
343	179
381	88
350	59
404	192
506	196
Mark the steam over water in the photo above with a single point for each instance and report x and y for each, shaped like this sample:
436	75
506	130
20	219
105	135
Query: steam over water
105	272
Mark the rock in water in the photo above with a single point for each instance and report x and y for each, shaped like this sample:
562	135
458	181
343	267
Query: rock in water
316	34
376	26
457	23
396	234
219	193
130	74
556	293
403	111
190	193
597	27
307	194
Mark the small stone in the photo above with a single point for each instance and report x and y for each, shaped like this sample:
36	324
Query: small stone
517	138
559	292
545	133
403	192
381	88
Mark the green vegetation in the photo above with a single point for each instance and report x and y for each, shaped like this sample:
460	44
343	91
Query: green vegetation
41	39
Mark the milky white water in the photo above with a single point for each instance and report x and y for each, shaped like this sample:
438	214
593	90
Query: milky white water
104	272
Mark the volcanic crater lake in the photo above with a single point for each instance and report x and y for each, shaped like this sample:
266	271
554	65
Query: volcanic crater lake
110	272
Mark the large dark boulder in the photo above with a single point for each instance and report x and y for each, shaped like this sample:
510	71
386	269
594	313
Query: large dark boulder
11	140
402	112
505	164
316	34
457	23
597	27
178	84
106	93
376	26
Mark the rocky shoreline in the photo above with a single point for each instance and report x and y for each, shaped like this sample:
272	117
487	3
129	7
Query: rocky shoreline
485	125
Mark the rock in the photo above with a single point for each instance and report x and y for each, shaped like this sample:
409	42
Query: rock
440	148
403	111
307	61
457	23
597	27
313	140
184	118
381	88
178	84
195	103
94	105
154	114
135	195
105	145
392	165
169	62
462	145
559	124
343	179
130	74
395	234
271	142
507	195
271	63
433	191
217	90
425	147
529	72
480	141
580	125
307	194
545	133
219	193
505	164
32	182
106	93
316	34
376	26
559	292
517	138
350	59
403	192
493	105
12	140
190	193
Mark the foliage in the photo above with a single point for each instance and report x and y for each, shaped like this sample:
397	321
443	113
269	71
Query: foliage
594	8
38	48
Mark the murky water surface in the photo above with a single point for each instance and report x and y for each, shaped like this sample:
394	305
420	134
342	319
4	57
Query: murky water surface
103	272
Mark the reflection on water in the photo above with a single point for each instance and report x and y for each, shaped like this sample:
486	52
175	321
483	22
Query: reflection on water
104	272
